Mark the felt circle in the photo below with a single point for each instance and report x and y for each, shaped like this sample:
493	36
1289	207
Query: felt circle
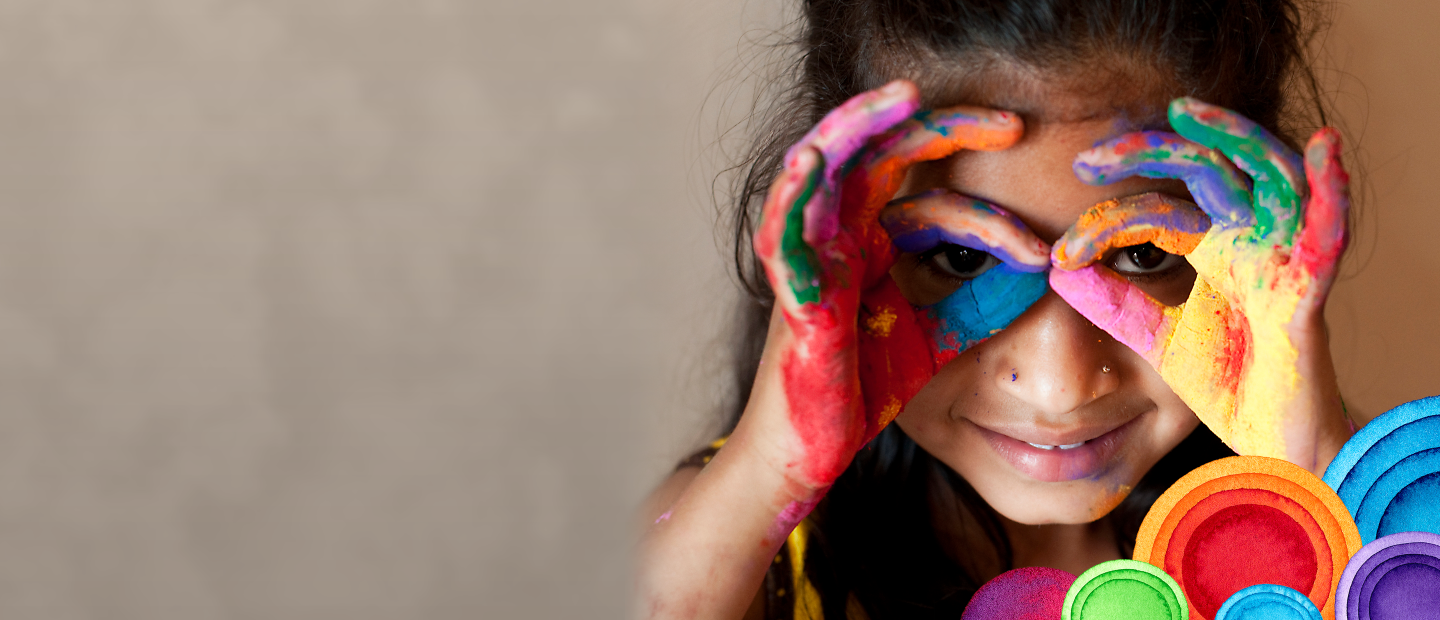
1203	545
1413	509
1032	593
1293	529
1385	473
1124	590
1394	577
1268	601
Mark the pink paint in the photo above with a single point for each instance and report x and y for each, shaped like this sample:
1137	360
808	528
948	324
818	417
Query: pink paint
790	516
1115	305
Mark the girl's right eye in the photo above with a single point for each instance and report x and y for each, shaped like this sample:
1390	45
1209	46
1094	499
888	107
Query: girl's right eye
959	261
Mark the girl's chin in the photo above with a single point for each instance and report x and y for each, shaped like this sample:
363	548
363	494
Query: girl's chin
1082	503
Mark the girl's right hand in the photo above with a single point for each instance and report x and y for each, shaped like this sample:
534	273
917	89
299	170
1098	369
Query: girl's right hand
828	259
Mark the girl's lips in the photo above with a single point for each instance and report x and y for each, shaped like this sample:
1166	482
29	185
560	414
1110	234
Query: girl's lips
1058	464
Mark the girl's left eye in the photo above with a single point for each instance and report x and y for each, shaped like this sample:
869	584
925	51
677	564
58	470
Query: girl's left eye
1144	259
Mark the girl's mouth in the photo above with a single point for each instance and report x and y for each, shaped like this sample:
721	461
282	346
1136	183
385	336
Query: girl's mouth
1088	458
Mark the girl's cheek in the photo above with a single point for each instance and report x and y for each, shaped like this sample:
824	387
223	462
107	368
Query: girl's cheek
979	309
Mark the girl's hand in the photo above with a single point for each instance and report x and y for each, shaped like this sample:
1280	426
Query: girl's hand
1247	351
827	259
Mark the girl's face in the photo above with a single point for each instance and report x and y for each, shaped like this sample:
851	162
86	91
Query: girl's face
1007	414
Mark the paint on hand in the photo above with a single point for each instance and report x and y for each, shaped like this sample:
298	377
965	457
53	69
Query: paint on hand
828	261
1172	224
1226	351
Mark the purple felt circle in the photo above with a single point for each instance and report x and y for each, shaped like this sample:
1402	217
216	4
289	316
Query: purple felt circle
1367	596
1372	562
1031	593
1407	592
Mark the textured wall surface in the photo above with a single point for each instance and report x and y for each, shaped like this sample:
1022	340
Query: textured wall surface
395	309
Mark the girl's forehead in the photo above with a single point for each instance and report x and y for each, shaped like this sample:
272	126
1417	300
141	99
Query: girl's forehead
1034	179
1065	111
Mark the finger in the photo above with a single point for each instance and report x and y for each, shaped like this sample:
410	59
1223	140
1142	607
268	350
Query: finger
1113	304
921	222
926	136
1172	224
789	262
841	134
1217	186
1278	172
1323	237
895	361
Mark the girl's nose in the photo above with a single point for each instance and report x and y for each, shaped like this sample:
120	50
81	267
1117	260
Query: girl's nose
1054	359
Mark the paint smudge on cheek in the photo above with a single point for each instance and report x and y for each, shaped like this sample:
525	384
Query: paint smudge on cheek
980	308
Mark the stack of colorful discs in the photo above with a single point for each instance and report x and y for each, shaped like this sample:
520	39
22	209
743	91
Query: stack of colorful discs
1268	602
1244	521
1388	474
1032	593
1124	590
1396	577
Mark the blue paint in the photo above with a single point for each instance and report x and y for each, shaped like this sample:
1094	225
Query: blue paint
985	305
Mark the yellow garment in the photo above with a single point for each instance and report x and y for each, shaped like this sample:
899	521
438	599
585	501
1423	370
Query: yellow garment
807	600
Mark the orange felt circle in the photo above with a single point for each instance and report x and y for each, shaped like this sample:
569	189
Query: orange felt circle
1222	503
1319	502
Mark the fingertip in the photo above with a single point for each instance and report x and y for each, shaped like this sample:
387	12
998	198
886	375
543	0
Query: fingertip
901	88
1089	166
1323	148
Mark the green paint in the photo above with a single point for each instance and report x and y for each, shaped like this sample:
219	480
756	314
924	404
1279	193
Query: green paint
799	256
1276	204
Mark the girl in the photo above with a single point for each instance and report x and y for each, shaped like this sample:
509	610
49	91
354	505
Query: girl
987	229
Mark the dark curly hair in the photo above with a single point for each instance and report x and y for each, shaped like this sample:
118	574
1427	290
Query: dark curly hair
876	540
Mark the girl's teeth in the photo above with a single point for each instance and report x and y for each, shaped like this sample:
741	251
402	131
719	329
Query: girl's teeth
1068	446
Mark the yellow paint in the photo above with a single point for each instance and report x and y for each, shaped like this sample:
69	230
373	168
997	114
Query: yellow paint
881	323
892	409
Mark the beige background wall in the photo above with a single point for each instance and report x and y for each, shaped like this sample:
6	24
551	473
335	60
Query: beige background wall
394	309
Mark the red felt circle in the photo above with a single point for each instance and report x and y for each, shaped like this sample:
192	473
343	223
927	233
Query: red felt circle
1243	545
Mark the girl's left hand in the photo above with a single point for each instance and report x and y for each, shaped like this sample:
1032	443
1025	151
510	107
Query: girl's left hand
1248	351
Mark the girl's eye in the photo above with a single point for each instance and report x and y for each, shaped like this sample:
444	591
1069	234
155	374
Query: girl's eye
1143	259
960	261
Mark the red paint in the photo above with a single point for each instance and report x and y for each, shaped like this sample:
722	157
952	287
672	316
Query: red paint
1242	537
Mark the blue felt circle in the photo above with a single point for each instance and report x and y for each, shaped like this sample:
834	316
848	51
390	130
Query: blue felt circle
1268	602
1414	508
1383	459
1380	499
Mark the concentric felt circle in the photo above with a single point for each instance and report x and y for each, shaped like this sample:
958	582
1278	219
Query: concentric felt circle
1388	474
1244	521
1268	601
1124	590
1395	577
1032	593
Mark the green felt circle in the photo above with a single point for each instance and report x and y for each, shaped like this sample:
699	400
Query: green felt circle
1125	590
